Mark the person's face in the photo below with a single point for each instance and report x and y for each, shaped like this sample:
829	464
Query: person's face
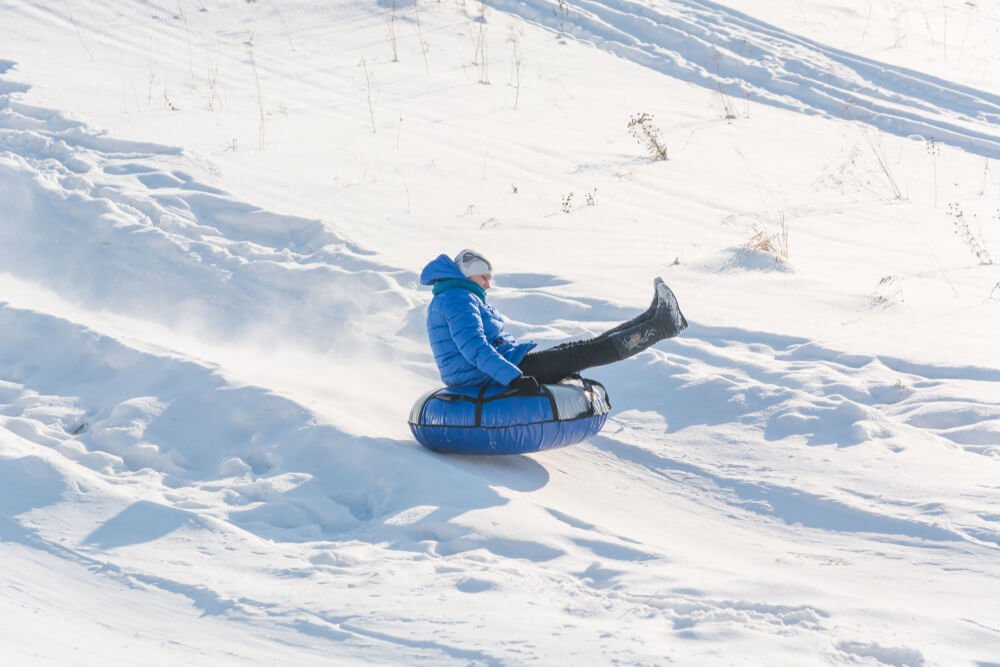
484	280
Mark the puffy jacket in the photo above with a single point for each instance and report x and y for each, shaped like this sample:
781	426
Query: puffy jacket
466	333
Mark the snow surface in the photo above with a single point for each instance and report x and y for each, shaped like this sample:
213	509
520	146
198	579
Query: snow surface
213	217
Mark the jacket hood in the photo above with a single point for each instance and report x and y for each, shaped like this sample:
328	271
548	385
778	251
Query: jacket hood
440	268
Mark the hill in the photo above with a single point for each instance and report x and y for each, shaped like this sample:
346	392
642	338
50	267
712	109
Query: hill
215	214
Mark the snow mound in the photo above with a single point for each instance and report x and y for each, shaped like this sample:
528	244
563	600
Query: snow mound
741	259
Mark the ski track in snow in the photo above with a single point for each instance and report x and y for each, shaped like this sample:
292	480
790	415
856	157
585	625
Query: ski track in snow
89	416
744	58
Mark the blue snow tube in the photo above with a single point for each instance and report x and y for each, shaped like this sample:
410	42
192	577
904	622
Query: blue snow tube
494	419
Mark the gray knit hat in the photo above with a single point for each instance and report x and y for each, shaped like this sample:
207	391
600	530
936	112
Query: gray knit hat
472	263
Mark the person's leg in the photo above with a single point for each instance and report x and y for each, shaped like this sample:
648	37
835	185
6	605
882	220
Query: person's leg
556	363
663	320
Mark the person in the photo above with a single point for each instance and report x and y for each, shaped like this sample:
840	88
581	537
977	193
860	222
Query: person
471	348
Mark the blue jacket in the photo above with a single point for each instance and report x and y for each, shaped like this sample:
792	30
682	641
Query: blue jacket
466	333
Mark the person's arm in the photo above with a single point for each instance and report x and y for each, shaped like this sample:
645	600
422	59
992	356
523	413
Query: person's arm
465	324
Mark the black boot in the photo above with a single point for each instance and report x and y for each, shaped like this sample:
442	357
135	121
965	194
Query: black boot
665	321
668	317
649	312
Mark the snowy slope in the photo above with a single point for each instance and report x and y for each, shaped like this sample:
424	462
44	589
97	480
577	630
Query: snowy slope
214	215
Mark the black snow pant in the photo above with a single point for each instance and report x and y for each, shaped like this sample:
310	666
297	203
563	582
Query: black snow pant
562	361
662	320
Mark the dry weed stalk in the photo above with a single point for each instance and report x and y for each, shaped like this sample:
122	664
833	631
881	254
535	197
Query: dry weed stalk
390	25
888	291
883	164
260	99
420	35
973	242
934	151
516	61
368	85
647	134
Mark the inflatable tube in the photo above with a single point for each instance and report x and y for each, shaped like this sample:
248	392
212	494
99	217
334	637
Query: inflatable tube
496	420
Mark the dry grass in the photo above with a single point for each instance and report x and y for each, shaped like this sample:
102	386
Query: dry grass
772	242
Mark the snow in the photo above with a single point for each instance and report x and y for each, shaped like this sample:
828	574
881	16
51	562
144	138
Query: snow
211	331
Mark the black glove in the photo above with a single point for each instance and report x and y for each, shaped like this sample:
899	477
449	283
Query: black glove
526	384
